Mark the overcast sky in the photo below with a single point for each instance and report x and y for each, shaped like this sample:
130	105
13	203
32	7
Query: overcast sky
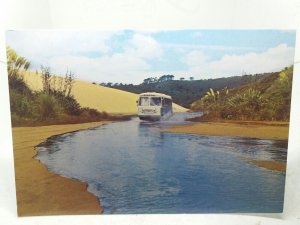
131	56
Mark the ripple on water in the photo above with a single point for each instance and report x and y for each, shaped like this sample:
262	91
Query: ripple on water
134	168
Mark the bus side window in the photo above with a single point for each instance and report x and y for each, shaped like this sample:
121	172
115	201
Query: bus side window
166	102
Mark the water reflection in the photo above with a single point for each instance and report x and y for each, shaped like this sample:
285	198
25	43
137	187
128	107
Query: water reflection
134	168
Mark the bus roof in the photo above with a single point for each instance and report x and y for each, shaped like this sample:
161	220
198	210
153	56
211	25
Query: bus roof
154	94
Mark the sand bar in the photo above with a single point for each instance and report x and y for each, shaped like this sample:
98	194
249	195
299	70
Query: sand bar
268	130
270	165
261	130
40	192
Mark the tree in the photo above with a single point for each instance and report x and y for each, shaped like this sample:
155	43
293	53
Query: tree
46	79
278	95
162	78
68	83
15	66
15	63
146	81
165	78
150	80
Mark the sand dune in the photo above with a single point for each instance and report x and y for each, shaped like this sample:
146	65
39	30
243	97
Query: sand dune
94	96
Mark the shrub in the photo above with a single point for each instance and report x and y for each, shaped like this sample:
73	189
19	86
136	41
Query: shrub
105	115
48	106
17	84
21	105
51	105
259	101
94	113
88	112
70	105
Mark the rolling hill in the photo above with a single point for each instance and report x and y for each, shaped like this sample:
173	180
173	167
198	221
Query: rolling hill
266	98
185	92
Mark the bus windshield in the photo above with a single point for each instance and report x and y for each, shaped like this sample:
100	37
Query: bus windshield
155	101
144	101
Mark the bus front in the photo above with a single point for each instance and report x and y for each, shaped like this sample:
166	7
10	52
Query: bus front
149	107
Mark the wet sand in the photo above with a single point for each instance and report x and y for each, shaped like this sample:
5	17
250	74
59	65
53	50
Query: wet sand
270	165
261	130
40	192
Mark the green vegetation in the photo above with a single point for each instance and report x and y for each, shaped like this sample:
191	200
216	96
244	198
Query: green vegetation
53	105
267	98
249	97
185	92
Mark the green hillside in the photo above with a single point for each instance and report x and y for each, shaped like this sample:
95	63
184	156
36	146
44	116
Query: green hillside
185	92
267	98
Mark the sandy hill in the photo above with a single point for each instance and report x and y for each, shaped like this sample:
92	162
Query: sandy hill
95	96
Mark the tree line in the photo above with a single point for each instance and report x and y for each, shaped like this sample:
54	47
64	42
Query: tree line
185	92
149	80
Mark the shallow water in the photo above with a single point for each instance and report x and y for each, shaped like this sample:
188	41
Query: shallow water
132	167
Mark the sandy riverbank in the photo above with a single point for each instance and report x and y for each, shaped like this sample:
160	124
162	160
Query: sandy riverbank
261	130
40	192
270	165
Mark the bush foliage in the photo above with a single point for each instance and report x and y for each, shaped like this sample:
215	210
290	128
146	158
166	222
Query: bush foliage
51	105
265	99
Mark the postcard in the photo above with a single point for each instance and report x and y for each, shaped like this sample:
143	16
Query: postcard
150	122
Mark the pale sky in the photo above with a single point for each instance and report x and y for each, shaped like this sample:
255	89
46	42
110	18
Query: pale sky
129	56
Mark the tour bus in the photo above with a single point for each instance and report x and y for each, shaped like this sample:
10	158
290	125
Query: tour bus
154	106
